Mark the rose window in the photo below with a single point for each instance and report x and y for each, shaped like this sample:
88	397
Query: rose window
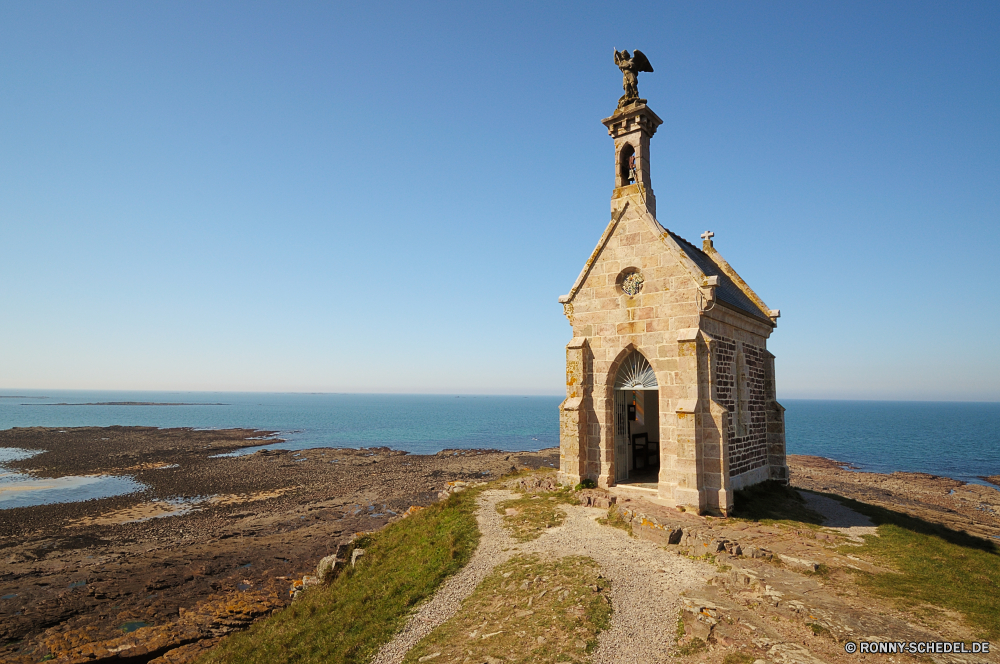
632	284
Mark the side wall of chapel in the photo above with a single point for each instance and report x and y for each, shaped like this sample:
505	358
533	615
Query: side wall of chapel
743	422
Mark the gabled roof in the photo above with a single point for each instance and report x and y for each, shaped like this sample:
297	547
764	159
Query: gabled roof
727	290
731	288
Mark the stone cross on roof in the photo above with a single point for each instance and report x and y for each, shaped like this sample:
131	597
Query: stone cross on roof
707	237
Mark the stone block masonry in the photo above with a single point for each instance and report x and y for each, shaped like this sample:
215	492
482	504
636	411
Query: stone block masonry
741	388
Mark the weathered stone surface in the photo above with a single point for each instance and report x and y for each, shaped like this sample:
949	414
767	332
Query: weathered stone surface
330	566
802	563
596	498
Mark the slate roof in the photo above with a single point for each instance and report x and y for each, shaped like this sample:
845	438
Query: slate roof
727	291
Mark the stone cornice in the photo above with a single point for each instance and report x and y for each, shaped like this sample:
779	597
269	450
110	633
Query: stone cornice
632	118
727	314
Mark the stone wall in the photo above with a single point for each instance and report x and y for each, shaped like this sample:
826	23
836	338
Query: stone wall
741	386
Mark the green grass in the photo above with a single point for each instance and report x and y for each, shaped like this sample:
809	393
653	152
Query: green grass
536	512
615	520
737	658
693	648
349	620
817	629
934	565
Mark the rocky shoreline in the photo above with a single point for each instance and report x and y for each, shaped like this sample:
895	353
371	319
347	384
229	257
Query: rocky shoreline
78	578
972	508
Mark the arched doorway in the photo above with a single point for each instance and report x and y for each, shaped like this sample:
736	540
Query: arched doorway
636	422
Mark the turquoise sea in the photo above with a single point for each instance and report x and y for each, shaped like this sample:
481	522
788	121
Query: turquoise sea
959	440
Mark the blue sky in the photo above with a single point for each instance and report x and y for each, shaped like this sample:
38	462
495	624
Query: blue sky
391	197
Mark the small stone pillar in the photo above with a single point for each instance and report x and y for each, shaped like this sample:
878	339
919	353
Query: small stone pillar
572	418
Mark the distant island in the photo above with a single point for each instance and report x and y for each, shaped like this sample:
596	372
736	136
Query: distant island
125	403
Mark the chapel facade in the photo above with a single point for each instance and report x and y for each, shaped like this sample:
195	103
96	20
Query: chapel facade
670	389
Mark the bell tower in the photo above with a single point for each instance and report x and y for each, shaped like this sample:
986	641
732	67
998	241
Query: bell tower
632	127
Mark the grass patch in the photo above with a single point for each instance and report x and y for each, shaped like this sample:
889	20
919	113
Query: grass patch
535	512
934	566
737	658
615	520
686	647
527	610
694	647
772	501
822	570
349	620
817	629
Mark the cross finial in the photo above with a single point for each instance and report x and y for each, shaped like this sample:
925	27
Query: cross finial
707	237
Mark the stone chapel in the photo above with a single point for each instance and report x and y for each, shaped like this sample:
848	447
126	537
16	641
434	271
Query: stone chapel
669	385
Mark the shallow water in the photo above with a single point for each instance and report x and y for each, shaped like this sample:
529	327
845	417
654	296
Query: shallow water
16	454
24	490
21	490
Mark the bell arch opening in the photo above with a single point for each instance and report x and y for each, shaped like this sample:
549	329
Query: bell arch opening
636	422
626	165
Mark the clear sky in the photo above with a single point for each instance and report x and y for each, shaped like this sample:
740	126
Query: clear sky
391	197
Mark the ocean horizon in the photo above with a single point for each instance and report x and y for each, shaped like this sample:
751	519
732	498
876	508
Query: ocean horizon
949	438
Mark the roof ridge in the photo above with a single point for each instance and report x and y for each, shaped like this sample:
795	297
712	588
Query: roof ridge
732	289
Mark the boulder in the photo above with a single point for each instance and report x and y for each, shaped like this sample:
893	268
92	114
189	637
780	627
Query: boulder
331	566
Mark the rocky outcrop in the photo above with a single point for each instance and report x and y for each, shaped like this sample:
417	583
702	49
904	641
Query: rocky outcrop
207	621
596	498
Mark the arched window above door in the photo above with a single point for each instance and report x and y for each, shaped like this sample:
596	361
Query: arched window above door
636	374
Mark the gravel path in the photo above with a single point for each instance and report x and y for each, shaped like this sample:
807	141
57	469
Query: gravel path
646	581
453	591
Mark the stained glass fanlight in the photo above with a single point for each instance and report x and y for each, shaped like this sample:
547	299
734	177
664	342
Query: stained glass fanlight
636	374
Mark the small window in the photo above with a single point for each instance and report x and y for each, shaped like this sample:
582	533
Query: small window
629	282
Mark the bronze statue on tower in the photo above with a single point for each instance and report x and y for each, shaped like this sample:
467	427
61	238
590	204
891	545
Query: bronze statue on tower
631	65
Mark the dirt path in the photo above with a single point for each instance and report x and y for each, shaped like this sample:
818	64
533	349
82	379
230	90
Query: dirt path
646	582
